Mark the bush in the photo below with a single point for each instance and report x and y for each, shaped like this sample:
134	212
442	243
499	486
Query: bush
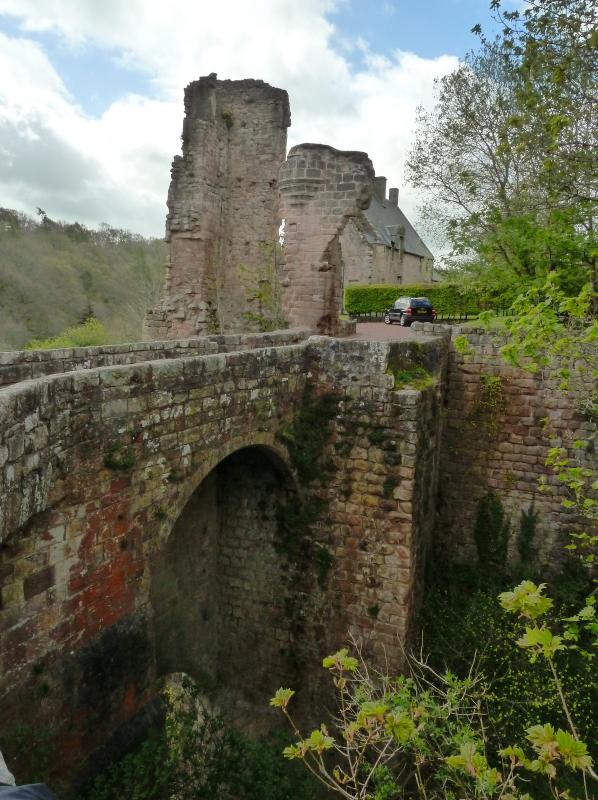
463	622
447	298
90	333
196	754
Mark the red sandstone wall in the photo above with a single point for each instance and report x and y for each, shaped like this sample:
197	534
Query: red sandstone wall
95	468
223	215
321	190
499	442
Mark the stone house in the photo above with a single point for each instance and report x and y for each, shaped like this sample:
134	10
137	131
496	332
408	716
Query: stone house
382	246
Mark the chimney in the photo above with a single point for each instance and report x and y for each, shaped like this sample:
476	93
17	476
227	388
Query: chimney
380	188
393	197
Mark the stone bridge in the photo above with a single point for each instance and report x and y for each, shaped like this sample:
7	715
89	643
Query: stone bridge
231	507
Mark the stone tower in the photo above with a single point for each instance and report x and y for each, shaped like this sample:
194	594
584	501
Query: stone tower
321	189
223	217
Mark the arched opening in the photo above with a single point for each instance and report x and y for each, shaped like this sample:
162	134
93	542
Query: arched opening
218	586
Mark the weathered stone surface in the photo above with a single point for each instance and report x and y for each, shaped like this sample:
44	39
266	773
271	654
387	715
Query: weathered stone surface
229	192
223	218
114	531
499	440
22	365
322	190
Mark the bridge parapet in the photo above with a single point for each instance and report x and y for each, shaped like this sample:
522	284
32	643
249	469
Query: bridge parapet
24	365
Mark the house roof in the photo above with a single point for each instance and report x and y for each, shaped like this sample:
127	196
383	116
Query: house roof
384	221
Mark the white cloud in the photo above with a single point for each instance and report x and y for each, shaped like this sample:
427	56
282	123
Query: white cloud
120	161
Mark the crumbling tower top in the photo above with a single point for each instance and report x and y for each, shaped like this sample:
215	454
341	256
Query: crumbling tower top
223	218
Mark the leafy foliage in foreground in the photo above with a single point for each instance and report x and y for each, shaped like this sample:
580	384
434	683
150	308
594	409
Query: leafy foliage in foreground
463	621
54	276
426	735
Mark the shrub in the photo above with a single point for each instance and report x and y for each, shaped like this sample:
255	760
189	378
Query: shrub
197	754
425	734
447	298
90	333
463	622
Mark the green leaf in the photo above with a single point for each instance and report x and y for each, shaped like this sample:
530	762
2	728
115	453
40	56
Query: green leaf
294	751
526	600
318	740
541	735
516	756
371	711
573	752
281	698
342	661
541	639
400	726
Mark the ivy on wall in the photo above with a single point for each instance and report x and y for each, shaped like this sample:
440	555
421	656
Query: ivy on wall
306	438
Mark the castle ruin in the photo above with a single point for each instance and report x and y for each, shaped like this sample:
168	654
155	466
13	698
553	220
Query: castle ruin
258	242
222	222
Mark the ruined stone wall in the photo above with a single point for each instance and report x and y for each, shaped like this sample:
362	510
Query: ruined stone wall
500	424
357	255
23	365
223	210
321	190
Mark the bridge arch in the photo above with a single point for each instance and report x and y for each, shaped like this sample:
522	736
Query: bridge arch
219	581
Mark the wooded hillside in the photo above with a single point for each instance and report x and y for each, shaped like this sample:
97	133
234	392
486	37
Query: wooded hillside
54	275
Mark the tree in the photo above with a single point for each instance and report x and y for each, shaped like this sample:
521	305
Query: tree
508	156
552	46
457	158
54	275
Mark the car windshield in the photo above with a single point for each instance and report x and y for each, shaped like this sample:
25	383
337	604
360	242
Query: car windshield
420	302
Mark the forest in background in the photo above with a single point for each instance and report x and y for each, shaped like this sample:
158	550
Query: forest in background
54	275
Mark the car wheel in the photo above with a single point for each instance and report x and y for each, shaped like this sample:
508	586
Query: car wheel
387	319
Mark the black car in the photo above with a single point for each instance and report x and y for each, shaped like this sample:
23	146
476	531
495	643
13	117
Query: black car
407	309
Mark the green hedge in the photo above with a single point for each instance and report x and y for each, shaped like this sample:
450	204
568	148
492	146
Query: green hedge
447	298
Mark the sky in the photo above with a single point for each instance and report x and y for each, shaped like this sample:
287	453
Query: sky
91	92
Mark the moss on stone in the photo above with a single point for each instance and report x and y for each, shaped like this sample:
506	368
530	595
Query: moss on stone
309	433
415	377
376	435
119	458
